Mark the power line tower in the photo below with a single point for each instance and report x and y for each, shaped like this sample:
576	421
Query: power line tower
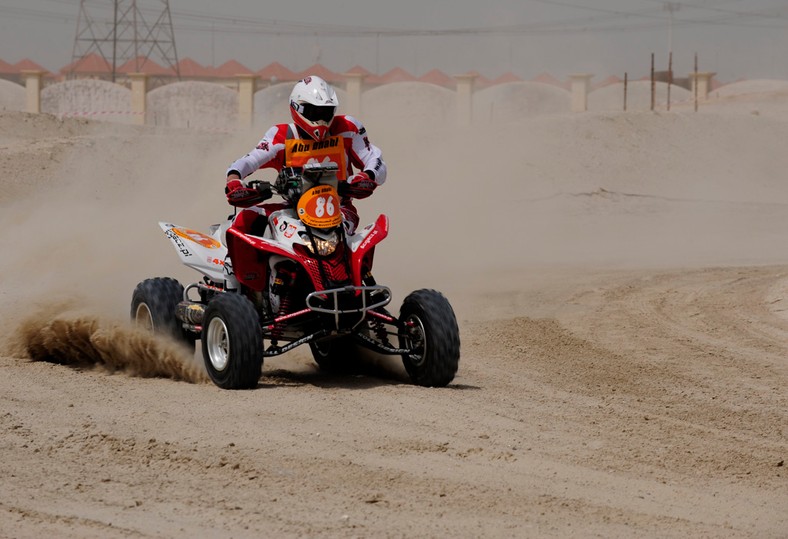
120	31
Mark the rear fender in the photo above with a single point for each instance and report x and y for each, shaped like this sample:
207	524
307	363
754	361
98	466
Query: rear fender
196	250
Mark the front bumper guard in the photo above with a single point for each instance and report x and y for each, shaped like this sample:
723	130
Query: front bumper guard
328	301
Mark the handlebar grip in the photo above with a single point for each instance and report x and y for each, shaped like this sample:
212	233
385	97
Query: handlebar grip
265	190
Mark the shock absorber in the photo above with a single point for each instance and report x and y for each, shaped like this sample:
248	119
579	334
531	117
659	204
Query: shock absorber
380	331
284	308
283	287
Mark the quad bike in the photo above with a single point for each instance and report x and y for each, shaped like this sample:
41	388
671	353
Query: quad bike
302	280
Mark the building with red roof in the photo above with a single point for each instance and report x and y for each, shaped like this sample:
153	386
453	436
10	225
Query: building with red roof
323	72
547	78
393	75
141	64
480	81
227	73
189	69
506	77
359	70
7	71
29	65
14	72
276	72
436	76
231	69
92	66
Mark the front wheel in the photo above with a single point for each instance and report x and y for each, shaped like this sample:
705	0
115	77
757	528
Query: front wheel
430	331
232	342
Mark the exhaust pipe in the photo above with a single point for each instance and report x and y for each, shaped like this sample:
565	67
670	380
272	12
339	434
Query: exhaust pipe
190	312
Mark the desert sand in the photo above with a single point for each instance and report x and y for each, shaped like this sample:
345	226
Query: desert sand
621	284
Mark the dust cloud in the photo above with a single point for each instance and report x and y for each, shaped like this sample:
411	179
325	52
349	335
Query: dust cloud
82	231
61	336
472	211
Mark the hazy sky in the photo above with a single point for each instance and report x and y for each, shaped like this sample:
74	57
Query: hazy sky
735	38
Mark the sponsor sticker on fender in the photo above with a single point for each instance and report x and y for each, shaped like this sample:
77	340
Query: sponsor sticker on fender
319	207
197	237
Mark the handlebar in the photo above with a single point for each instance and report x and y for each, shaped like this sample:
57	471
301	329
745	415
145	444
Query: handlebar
289	181
264	189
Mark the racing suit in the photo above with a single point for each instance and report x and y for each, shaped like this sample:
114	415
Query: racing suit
352	150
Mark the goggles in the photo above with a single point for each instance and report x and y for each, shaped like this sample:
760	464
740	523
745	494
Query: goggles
315	113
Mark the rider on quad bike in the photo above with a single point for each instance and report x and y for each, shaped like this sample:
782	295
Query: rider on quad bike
317	133
278	276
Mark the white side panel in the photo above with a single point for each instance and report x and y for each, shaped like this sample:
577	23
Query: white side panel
284	228
196	250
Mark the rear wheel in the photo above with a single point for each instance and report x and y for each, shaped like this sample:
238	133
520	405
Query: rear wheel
430	330
153	306
232	342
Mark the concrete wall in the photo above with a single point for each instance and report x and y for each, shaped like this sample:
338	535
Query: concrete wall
12	96
750	87
193	104
212	106
407	102
95	99
518	100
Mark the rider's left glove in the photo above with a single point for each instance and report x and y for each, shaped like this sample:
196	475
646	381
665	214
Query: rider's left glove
240	195
358	186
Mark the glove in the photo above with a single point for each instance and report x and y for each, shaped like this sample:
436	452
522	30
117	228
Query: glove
358	186
240	195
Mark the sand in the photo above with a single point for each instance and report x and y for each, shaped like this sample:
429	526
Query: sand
620	280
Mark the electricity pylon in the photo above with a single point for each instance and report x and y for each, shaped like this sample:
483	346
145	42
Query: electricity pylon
120	31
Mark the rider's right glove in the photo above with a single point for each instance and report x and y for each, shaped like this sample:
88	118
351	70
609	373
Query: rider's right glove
240	195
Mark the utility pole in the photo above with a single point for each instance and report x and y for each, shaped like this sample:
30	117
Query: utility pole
125	34
670	7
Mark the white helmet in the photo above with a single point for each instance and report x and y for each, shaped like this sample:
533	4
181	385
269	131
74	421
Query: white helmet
313	103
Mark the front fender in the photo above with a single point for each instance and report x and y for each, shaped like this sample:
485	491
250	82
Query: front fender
250	254
249	267
364	242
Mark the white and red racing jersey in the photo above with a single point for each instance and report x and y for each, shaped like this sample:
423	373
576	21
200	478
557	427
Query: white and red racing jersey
347	144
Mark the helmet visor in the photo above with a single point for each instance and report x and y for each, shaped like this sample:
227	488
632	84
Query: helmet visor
315	113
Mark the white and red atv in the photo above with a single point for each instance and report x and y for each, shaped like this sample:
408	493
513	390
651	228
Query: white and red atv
302	280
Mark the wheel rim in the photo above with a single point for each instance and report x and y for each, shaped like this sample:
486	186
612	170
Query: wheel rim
143	317
414	335
322	350
218	344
